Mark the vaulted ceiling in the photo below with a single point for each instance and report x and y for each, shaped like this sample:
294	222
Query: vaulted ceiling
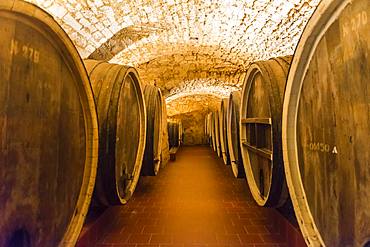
188	48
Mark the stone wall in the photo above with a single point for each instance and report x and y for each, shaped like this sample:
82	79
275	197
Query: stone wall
192	110
193	125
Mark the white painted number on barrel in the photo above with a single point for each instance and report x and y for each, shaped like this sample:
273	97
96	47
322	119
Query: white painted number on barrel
319	146
355	23
26	51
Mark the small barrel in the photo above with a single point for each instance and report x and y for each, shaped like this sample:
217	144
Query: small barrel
326	123
153	149
260	130
223	131
122	128
174	133
48	131
233	141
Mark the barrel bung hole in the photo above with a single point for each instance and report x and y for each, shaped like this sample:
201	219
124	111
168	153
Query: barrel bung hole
19	238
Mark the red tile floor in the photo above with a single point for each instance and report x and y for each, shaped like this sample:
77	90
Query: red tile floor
194	201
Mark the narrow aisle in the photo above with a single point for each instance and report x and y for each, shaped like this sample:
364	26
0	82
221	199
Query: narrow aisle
193	201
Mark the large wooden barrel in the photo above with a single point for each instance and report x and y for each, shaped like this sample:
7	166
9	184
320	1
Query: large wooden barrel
208	128
181	133
165	153
122	128
216	133
223	131
48	137
326	126
174	133
153	149
233	141
260	130
213	132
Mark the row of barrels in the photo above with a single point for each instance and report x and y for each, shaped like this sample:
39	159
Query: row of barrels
70	131
299	127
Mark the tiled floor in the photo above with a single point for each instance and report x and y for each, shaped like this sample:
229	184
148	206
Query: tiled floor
194	201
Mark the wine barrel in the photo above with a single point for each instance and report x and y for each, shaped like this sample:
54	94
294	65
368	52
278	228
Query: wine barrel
214	144
260	130
216	133
174	137
223	131
326	126
181	133
122	129
152	154
213	132
207	128
172	134
48	137
233	118
165	153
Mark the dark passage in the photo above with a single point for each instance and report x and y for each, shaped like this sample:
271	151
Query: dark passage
194	201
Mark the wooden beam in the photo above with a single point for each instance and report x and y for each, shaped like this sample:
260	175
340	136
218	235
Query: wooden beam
267	121
260	151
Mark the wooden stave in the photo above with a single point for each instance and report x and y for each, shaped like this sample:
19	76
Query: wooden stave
278	192
106	190
46	24
223	131
152	159
233	140
318	27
